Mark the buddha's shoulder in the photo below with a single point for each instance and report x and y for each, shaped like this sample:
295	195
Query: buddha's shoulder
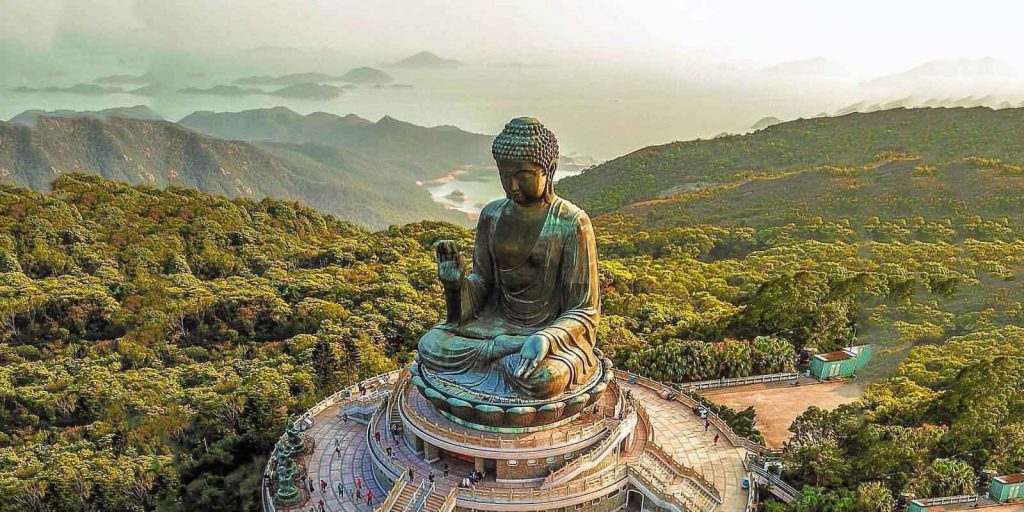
568	212
494	208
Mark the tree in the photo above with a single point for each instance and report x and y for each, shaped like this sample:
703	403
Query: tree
874	497
944	477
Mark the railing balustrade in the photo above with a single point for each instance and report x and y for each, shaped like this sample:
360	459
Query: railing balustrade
449	501
586	486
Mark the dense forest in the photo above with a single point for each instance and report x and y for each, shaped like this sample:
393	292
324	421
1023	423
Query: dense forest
154	342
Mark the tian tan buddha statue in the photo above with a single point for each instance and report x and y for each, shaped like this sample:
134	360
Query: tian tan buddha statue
521	324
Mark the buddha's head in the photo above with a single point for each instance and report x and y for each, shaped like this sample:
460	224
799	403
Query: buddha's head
527	156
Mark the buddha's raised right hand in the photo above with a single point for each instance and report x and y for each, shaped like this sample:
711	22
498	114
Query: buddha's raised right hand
449	264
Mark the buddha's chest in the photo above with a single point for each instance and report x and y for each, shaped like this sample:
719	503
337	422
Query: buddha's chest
519	245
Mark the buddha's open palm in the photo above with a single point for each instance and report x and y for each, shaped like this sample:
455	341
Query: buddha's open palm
534	350
449	263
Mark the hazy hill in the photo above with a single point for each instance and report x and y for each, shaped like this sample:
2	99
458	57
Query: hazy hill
81	89
855	140
765	122
426	60
156	153
425	152
222	90
362	75
365	75
29	117
294	78
308	91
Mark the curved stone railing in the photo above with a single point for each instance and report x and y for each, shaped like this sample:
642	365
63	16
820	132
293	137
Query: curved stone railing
650	482
449	501
685	471
597	453
641	413
346	394
484	441
394	468
590	486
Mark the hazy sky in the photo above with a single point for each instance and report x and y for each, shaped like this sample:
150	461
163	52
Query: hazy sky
868	37
611	77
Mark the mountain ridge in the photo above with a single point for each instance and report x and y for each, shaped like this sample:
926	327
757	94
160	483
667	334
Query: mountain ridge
160	154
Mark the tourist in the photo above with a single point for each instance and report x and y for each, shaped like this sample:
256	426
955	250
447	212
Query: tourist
707	425
344	418
376	436
411	474
716	439
390	451
359	483
323	486
311	485
359	494
337	450
446	470
430	477
464	483
341	490
321	505
369	497
362	389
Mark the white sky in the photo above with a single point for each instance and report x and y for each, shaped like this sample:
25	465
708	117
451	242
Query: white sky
868	37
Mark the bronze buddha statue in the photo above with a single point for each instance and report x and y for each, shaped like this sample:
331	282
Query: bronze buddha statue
521	324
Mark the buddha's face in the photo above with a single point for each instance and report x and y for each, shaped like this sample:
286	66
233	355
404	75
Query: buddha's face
524	182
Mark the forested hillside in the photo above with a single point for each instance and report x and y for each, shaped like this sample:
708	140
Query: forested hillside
154	342
934	135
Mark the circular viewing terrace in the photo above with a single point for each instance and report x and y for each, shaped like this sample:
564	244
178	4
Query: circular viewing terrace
673	459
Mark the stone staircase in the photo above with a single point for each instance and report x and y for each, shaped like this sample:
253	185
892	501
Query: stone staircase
411	499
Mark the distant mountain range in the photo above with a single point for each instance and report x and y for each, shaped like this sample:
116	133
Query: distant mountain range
424	152
359	170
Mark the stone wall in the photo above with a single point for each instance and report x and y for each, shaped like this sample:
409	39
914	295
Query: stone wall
523	469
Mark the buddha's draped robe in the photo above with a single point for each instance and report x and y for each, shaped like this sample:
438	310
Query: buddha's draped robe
552	293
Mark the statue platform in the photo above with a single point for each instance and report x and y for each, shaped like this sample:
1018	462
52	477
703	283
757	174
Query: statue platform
509	414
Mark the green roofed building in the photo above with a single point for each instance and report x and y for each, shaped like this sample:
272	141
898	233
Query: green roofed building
841	363
1007	488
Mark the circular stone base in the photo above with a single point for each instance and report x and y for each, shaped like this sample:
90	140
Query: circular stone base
512	416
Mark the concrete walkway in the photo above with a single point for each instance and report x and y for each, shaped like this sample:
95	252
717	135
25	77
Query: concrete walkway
351	463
